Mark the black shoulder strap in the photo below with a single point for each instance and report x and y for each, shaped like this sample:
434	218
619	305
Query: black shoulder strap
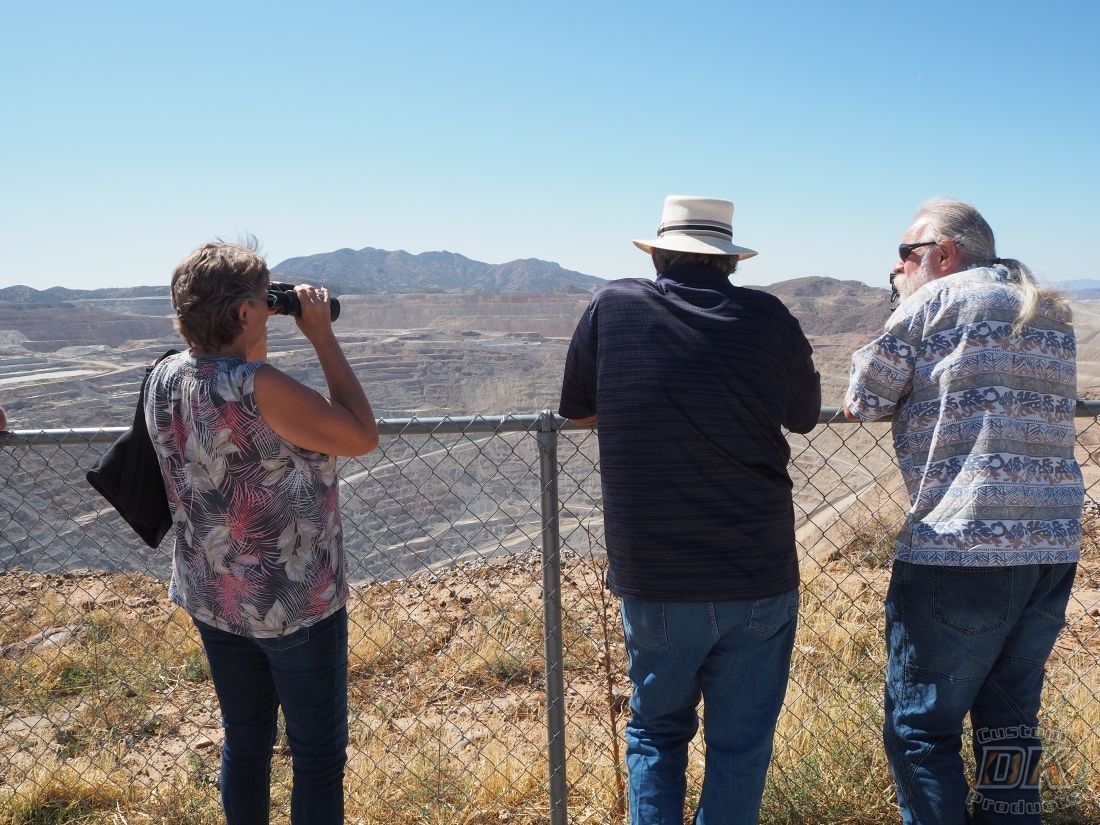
139	428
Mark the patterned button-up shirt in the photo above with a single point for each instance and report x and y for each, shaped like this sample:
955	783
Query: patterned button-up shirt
983	422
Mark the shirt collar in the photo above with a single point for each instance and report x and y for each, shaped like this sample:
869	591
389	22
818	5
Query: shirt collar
694	275
998	270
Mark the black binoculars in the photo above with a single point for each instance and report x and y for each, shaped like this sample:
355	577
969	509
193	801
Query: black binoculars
284	301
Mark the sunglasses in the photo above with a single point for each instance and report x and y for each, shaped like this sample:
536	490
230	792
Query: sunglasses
906	249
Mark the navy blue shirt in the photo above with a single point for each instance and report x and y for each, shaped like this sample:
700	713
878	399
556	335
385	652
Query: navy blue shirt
692	379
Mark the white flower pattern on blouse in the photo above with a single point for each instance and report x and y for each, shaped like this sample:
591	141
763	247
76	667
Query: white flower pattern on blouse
259	546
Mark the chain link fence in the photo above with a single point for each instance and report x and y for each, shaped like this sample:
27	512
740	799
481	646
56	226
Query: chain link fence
487	672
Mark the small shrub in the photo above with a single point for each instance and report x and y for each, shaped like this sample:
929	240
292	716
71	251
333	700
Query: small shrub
73	679
196	667
512	668
867	545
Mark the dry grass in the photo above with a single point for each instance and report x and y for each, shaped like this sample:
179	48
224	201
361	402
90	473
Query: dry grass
81	791
113	719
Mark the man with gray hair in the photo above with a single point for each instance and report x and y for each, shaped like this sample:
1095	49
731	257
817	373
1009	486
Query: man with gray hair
977	365
691	380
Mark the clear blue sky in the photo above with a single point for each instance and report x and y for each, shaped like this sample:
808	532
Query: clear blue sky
132	132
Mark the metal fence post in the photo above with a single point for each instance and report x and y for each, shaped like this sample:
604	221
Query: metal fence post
552	635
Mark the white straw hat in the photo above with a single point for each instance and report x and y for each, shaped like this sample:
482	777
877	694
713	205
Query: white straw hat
703	226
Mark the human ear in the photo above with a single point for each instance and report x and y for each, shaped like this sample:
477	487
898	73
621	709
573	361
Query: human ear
247	308
949	257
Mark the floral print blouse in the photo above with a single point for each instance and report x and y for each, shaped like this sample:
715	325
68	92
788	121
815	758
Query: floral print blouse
259	548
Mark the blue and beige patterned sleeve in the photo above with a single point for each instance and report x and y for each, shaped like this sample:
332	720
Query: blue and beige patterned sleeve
882	371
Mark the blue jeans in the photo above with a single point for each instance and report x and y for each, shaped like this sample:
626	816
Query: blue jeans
307	674
969	639
736	655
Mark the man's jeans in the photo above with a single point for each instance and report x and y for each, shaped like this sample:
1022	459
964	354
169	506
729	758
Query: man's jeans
307	674
736	655
969	639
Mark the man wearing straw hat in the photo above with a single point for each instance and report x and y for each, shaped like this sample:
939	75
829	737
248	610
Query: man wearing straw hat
690	381
977	365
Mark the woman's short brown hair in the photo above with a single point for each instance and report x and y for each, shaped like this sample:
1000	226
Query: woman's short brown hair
209	285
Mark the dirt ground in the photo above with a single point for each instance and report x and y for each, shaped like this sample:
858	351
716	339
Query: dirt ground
44	617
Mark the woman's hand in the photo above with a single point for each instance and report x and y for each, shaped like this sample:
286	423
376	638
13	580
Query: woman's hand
316	317
343	423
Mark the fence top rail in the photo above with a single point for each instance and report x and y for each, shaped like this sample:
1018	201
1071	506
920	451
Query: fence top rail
834	415
435	425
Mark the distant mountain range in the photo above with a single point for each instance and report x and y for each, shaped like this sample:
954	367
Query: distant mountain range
1081	288
368	271
379	271
826	306
376	270
56	295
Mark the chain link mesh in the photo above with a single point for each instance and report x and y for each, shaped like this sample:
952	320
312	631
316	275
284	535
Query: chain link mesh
107	712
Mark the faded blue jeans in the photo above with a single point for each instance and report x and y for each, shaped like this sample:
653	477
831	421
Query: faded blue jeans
969	639
736	656
306	673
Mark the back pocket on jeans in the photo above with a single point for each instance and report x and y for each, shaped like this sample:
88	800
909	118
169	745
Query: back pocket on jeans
771	614
645	625
972	600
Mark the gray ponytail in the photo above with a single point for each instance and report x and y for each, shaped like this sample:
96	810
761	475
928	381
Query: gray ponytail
960	222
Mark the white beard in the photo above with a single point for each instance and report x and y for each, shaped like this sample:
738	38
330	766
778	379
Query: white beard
908	284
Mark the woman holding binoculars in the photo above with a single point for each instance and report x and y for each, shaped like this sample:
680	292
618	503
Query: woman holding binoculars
248	456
